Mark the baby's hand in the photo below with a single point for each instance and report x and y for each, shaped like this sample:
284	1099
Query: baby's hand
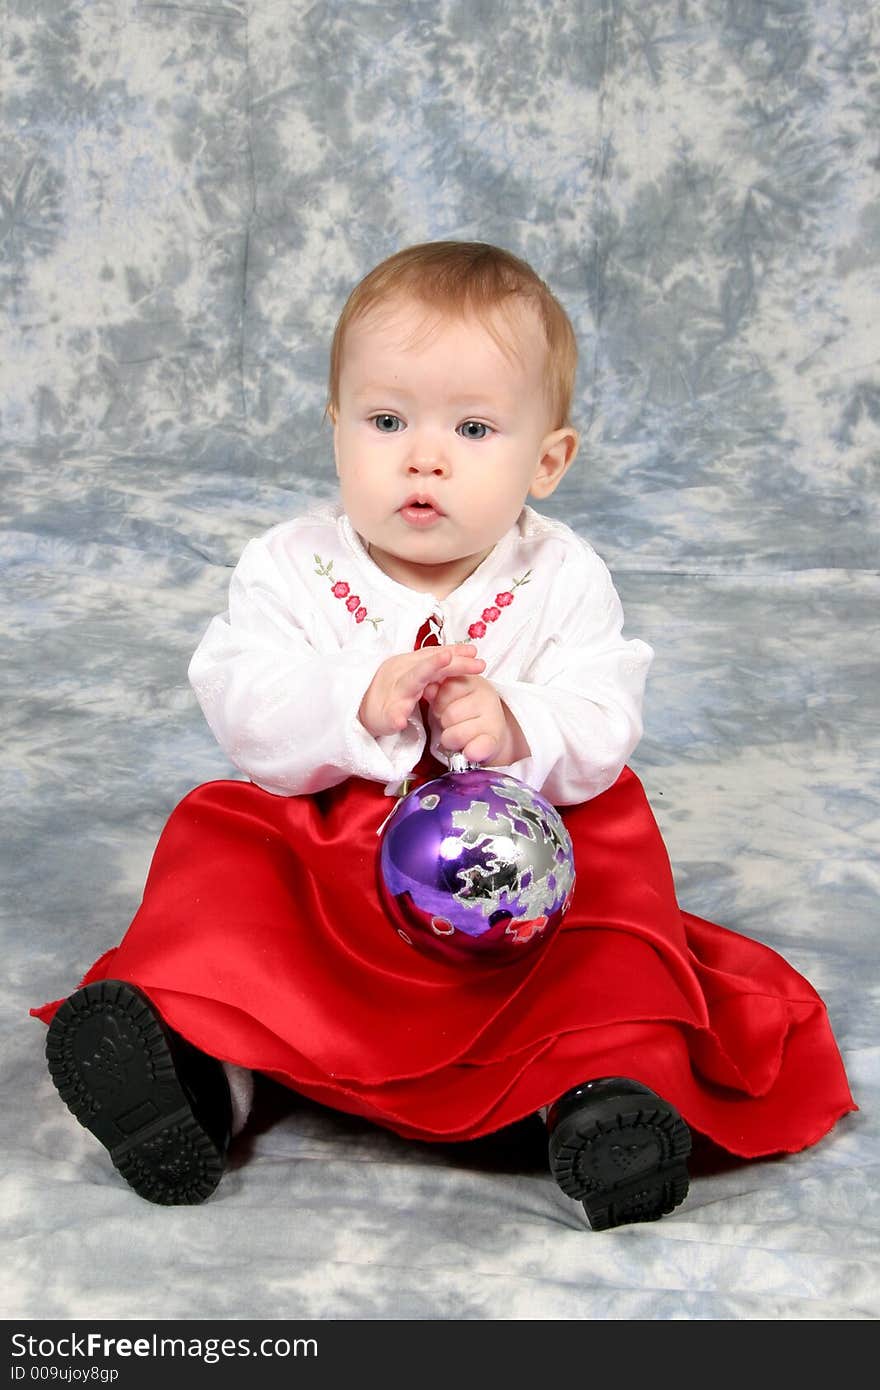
476	722
400	683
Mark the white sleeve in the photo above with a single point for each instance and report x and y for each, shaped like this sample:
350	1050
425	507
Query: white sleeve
579	702
284	712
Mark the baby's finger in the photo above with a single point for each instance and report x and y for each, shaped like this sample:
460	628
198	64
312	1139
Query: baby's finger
465	666
461	708
456	736
431	661
480	749
446	692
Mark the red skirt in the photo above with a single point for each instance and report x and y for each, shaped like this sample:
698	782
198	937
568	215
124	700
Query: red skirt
260	939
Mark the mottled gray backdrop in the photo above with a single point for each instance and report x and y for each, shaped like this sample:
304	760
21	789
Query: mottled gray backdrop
187	193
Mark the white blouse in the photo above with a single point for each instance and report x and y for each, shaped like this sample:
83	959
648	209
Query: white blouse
280	676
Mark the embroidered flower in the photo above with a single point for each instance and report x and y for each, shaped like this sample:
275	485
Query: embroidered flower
339	588
493	613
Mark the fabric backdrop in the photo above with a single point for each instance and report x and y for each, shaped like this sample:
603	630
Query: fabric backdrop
187	194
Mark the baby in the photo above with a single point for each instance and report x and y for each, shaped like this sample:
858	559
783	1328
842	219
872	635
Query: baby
432	612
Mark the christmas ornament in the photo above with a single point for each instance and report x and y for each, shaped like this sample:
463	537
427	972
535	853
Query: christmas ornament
475	864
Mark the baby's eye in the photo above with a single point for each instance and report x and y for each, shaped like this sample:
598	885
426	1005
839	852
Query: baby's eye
387	424
474	429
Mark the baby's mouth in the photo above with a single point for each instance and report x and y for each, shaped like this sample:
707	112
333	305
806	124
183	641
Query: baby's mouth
420	511
422	499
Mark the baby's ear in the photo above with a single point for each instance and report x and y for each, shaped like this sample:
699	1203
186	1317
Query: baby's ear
556	455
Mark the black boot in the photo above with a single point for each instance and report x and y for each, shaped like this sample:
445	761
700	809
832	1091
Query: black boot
160	1106
620	1149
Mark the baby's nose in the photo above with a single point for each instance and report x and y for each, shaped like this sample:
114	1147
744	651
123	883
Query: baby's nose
434	466
427	455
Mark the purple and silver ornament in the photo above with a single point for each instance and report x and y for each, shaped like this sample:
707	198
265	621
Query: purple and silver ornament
475	864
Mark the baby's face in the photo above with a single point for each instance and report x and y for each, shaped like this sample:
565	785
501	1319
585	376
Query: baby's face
440	437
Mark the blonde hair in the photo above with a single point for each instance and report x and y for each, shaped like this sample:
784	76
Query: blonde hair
458	278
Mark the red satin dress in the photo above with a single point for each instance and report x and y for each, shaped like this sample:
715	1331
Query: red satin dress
260	938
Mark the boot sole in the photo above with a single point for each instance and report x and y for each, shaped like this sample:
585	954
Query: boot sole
111	1061
623	1160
